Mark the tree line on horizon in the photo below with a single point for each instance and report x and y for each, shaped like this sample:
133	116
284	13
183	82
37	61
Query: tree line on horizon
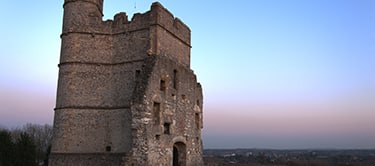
29	145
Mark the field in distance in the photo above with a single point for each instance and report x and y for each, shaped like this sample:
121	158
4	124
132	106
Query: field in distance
273	157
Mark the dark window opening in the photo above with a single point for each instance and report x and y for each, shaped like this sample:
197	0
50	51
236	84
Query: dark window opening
175	79
108	148
156	111
167	128
162	85
137	73
198	103
197	120
157	137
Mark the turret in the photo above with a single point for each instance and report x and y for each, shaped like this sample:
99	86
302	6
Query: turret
82	15
80	40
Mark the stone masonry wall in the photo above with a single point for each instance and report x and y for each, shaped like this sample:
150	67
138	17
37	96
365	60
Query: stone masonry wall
112	75
179	107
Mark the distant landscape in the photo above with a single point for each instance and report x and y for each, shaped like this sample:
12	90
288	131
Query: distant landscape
273	157
30	145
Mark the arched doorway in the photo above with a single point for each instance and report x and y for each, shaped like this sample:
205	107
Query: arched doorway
179	154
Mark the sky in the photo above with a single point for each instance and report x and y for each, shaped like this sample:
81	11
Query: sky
290	74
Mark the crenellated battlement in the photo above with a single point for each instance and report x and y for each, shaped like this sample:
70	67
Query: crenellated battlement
157	16
165	33
121	24
154	32
162	17
85	16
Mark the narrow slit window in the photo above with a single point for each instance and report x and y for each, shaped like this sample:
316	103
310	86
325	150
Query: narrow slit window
197	120
156	111
175	79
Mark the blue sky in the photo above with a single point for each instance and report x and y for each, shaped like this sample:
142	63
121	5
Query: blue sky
276	74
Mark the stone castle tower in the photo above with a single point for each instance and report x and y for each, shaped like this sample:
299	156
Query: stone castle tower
126	94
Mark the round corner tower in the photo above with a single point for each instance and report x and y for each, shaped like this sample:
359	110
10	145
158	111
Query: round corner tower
126	94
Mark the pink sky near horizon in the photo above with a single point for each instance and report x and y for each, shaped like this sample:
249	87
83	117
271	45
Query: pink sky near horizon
327	118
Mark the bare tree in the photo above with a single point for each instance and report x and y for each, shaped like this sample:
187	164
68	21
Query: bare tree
41	135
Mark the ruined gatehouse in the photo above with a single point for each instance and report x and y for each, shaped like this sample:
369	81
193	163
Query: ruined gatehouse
126	94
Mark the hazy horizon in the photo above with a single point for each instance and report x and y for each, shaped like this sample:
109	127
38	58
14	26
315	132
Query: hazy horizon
275	74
